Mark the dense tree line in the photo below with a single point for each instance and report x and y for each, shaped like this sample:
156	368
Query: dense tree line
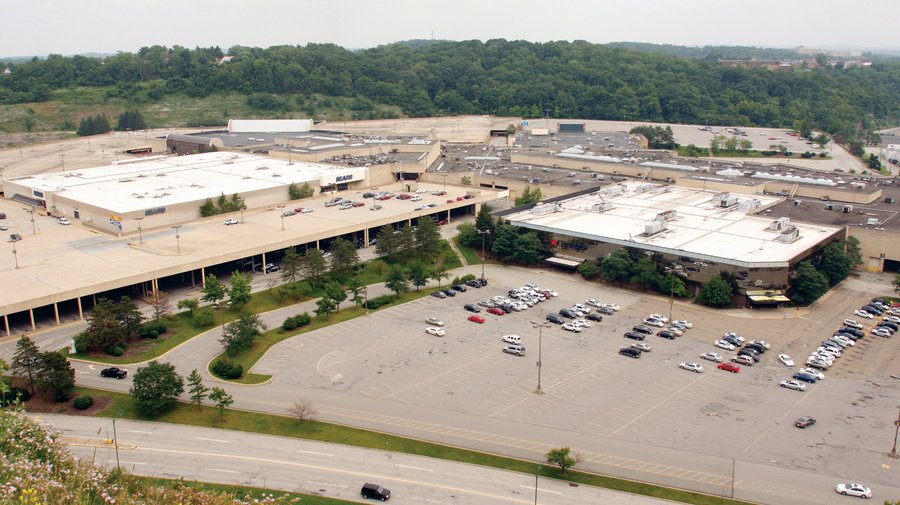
518	78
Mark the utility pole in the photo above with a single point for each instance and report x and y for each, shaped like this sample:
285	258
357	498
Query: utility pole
536	473
896	430
33	228
539	326
482	233
177	236
16	259
281	211
140	233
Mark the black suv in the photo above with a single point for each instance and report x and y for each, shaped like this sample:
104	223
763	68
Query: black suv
471	308
630	352
667	334
459	287
569	313
375	491
642	329
634	336
554	318
757	347
116	373
593	316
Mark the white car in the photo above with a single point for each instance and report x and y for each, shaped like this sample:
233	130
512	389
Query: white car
891	319
881	332
584	323
712	356
684	322
825	358
660	317
853	323
421	190
795	385
304	210
518	350
231	221
511	339
64	221
828	350
816	363
552	293
786	360
654	322
571	327
593	303
844	340
853	489
812	371
416	198
862	313
721	344
612	306
691	367
434	330
677	331
641	346
762	343
582	308
433	321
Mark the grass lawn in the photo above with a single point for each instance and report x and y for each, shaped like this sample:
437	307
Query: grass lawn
472	257
240	492
123	407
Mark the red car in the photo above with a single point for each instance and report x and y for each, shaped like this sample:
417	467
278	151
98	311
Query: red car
476	319
403	197
451	200
357	204
496	311
442	222
729	367
459	198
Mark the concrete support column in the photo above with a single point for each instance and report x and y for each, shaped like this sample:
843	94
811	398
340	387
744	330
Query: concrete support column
56	312
154	286
264	264
6	324
80	312
193	283
317	244
366	237
31	315
203	277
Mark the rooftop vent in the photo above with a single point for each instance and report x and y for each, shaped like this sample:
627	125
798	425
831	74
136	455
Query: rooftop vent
654	228
780	224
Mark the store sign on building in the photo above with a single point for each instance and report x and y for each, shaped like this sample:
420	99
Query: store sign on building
152	212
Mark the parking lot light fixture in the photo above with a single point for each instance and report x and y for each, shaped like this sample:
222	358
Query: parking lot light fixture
539	326
177	237
893	453
16	259
140	232
482	233
281	211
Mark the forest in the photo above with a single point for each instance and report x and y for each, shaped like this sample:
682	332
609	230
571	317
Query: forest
515	78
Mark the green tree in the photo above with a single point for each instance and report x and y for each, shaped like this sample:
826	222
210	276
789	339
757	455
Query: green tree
528	249
344	257
56	377
590	270
387	243
130	318
617	266
93	125
644	274
529	196
162	307
822	140
835	264
196	389
336	293
131	120
26	362
156	388
417	274
238	290
561	457
439	271
104	329
483	222
407	241
204	317
396	280
313	266
468	235
240	334
853	251
809	284
222	399
325	306
873	162
427	235
356	290
208	208
213	290
291	265
191	304
296	192
716	293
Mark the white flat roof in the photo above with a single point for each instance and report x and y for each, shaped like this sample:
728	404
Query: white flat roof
701	229
269	125
163	182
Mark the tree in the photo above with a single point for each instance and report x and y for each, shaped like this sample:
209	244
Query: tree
468	235
343	257
105	329
55	375
407	240
238	290
239	334
822	140
93	125
213	290
589	269
130	318
222	399
297	192
159	300
427	235
313	266
417	274
716	293
644	274
355	291
196	389
835	264
617	266
562	457
396	280
439	271
853	251
873	162
26	362
529	196
387	242
291	265
191	304
809	284
336	293
325	306
303	410
484	221
131	120
156	388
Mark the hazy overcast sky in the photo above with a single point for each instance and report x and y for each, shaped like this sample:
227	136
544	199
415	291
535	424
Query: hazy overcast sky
39	27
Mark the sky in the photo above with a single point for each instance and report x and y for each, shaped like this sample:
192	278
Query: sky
40	27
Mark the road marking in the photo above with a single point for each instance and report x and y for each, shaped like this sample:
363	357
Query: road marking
132	463
664	400
776	423
139	431
224	471
327	483
415	468
539	489
213	440
316	453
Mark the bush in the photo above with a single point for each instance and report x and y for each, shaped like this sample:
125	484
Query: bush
379	301
225	369
807	155
822	155
15	393
81	342
297	321
61	395
115	350
83	402
152	329
204	317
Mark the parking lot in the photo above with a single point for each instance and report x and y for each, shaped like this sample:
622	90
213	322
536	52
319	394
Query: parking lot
590	389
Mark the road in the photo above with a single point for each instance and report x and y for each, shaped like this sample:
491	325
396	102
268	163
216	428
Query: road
286	464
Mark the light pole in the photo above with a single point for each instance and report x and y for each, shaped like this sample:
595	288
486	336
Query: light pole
671	296
366	295
539	326
536	473
896	430
32	211
482	233
16	259
140	233
177	236
281	211
444	176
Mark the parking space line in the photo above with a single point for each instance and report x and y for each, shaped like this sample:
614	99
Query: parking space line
629	423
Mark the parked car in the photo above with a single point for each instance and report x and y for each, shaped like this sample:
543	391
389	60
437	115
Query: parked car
471	308
374	491
642	329
231	221
593	316
666	334
473	283
654	322
555	319
459	287
691	367
116	373
433	321
792	384
786	360
684	322
572	327
750	353
853	489
511	339
64	221
721	344
863	314
449	292
743	360
439	294
497	311
641	346
15	237
853	323
517	350
634	335
729	367
819	375
434	330
805	422
608	311
712	356
630	352
476	319
805	377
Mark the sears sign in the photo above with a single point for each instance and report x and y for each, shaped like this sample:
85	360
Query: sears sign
329	179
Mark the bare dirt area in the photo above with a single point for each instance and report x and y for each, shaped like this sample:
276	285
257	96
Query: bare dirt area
41	404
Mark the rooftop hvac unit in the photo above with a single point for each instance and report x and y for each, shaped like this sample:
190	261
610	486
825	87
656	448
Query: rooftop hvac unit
749	204
668	215
655	227
789	234
601	207
543	209
728	201
643	188
779	224
615	190
847	209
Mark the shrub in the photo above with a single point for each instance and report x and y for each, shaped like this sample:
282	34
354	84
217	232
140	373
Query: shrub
204	317
379	301
81	342
61	395
807	155
224	368
152	329
115	350
83	402
297	321
14	394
